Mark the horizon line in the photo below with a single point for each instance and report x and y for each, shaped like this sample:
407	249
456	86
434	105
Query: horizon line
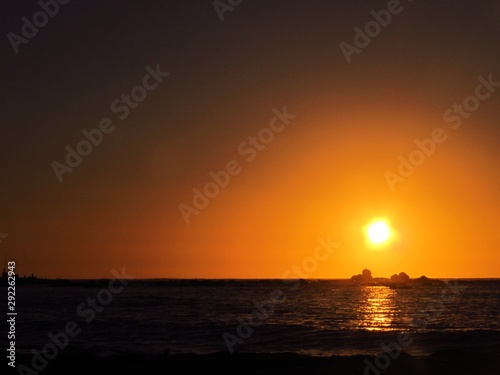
256	278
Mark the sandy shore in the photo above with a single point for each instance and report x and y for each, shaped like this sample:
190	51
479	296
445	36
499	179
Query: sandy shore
446	362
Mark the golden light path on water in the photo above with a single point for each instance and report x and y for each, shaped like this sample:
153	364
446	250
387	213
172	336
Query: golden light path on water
377	308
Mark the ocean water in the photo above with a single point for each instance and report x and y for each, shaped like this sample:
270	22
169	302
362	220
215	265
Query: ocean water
322	317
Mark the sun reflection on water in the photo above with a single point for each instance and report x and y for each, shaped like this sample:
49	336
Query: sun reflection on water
377	308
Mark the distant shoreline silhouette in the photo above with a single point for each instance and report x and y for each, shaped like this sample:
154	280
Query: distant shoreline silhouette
401	280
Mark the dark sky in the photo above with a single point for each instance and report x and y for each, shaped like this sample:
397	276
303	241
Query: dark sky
120	206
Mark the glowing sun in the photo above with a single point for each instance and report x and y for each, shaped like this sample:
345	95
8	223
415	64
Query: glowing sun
378	232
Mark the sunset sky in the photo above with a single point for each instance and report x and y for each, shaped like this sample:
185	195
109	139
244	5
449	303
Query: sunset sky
324	174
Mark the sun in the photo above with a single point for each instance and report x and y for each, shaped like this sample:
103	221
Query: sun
378	232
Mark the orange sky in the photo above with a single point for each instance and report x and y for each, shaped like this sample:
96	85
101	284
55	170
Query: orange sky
326	181
323	175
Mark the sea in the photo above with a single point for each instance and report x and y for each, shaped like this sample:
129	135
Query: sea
312	317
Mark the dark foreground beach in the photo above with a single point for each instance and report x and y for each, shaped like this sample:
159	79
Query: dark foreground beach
446	362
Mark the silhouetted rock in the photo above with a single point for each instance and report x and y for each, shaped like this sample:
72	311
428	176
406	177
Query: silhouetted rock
364	277
396	281
403	277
